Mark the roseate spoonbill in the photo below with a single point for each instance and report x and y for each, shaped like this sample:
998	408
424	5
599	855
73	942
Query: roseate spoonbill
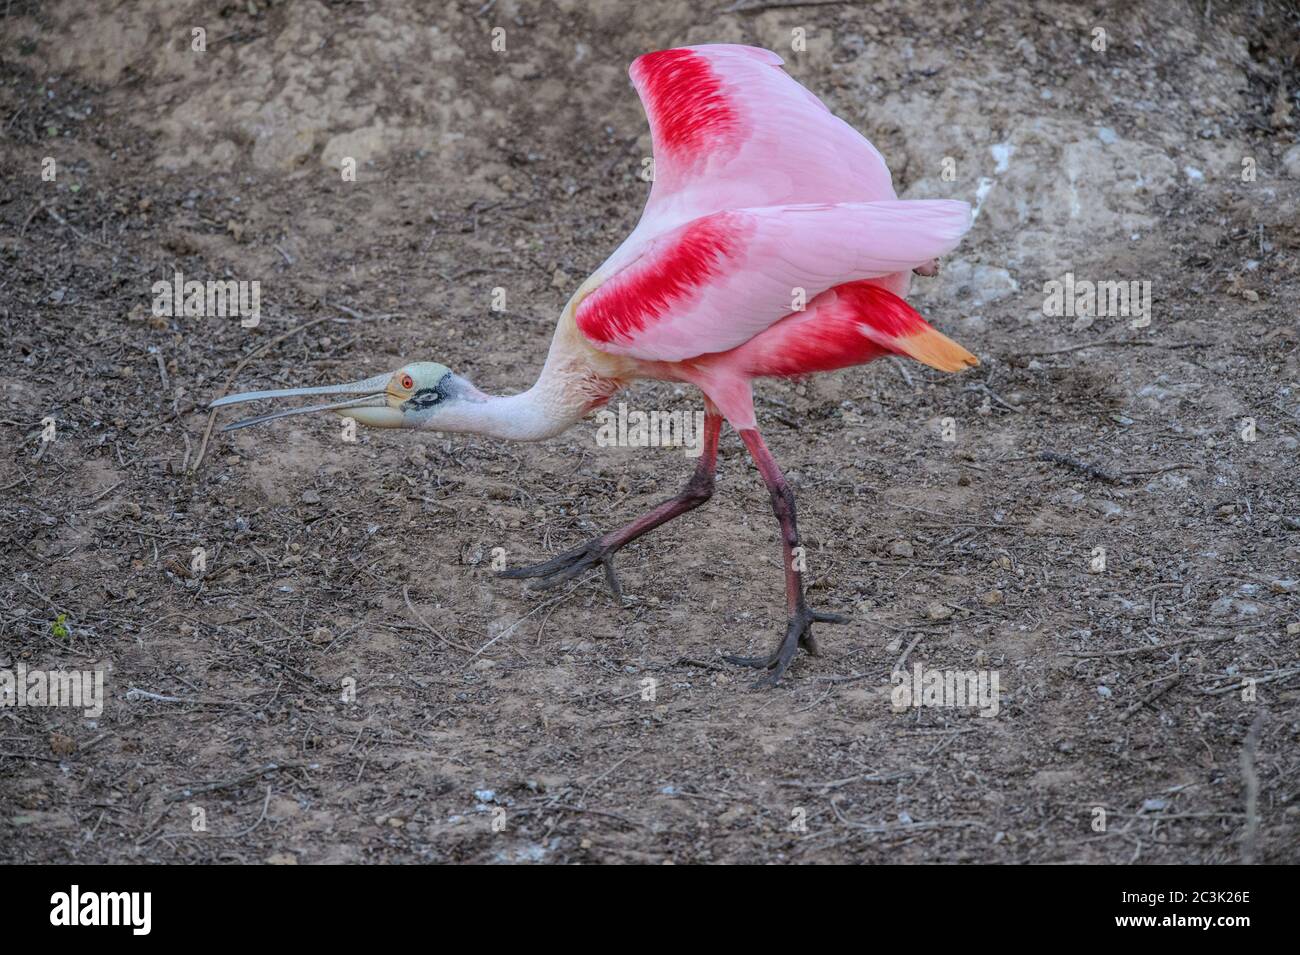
762	201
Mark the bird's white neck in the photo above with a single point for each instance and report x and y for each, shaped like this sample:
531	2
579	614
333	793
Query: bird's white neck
527	416
559	399
573	382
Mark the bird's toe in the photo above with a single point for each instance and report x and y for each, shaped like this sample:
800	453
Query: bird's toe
568	565
758	663
798	634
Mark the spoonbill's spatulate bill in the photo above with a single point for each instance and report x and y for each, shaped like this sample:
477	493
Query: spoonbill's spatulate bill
762	200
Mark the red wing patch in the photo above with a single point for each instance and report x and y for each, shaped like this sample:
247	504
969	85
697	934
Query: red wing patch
848	325
828	334
673	269
689	111
869	303
899	327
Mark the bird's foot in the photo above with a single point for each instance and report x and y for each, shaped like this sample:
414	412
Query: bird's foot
570	564
797	634
929	269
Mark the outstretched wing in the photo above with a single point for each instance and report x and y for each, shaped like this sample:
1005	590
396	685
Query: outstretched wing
715	282
732	130
761	198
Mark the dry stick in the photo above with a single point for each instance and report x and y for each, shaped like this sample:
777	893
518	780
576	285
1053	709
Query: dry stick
53	214
907	826
1162	816
277	623
406	595
1111	343
1091	470
550	603
265	805
212	415
859	778
994	396
702	664
186	792
1151	697
740	6
162	371
351	312
103	494
898	667
1155	471
22	480
566	807
587	788
36	210
134	693
43	759
902	370
851	678
1279	675
1250	779
1154	648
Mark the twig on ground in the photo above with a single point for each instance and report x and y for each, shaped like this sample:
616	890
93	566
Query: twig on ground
406	595
755	6
1154	648
1241	682
905	826
550	603
898	667
1250	782
902	370
186	792
1091	470
1111	343
1152	696
265	805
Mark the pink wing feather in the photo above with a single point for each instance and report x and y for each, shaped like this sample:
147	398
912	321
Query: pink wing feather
760	197
731	130
717	281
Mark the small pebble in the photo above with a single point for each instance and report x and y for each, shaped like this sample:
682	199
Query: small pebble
938	611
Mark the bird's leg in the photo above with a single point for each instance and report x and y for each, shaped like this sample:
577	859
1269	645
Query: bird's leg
798	632
600	550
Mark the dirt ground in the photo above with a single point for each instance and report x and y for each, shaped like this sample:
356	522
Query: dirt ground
1159	696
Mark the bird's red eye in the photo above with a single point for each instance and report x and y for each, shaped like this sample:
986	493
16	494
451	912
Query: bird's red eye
407	383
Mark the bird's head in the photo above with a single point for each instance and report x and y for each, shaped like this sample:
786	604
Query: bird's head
421	394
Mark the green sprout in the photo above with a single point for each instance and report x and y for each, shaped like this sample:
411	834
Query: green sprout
59	627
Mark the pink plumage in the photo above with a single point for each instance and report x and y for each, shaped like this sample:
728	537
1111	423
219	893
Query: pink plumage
848	325
717	281
772	244
731	130
768	225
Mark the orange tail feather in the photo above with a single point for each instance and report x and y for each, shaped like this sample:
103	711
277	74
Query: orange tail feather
933	348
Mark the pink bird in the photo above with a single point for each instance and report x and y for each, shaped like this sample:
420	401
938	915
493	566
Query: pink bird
762	201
